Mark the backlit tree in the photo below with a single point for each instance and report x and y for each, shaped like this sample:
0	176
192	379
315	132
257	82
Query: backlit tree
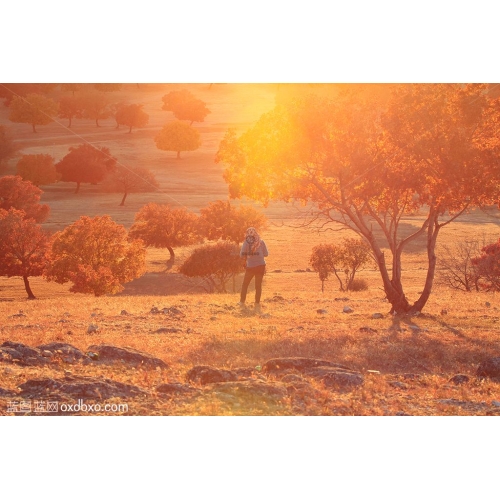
96	256
22	195
431	149
23	246
130	180
34	109
131	115
185	106
221	220
178	136
161	226
86	163
70	107
95	106
39	169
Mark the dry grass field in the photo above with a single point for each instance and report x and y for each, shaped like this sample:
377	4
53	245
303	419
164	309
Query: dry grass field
406	362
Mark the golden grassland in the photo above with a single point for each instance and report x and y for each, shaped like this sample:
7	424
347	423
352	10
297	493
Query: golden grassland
211	333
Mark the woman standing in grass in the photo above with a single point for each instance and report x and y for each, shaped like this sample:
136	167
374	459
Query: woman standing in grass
254	249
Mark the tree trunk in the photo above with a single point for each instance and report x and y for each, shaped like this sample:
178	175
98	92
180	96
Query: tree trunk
28	288
178	155
97	122
170	262
69	125
322	286
123	200
33	125
130	130
77	187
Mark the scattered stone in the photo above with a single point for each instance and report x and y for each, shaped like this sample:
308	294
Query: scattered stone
275	298
489	368
487	304
63	321
124	312
277	271
202	374
47	354
299	364
338	379
79	387
414	328
154	310
20	314
291	378
452	401
6	393
444	312
92	328
367	329
300	270
347	309
341	299
69	332
397	384
67	352
265	315
108	354
402	414
321	311
173	311
459	379
411	376
495	403
213	318
168	330
377	316
22	355
175	389
93	356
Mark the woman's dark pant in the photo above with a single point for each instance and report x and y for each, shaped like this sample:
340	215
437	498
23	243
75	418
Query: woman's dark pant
258	272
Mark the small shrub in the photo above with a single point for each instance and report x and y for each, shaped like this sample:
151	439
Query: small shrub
358	285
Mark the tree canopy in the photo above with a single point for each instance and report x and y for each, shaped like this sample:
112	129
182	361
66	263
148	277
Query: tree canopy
366	163
131	115
34	109
86	163
23	247
131	180
39	169
22	195
222	220
70	107
185	106
95	106
161	226
178	136
96	256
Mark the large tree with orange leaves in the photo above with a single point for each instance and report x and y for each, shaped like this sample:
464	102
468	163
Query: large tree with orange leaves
22	247
432	151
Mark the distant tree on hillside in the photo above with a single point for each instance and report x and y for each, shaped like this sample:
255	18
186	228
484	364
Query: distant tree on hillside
10	90
95	255
7	147
34	109
185	106
216	264
22	195
160	226
322	260
130	180
96	106
38	169
487	267
178	136
221	220
86	163
70	107
23	247
131	115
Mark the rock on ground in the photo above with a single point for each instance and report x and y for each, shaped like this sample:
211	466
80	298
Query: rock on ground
22	355
209	375
459	379
67	352
335	378
79	387
108	354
